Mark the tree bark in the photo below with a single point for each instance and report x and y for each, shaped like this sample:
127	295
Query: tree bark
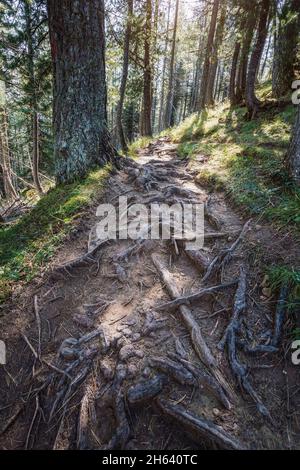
33	97
170	96
245	51
294	151
232	84
77	38
146	125
209	47
9	190
162	95
285	53
124	76
214	59
251	100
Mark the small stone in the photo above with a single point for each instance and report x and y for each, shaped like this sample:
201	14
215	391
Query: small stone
132	370
136	337
139	353
127	332
130	322
146	372
258	227
126	352
267	292
216	412
69	354
84	321
107	371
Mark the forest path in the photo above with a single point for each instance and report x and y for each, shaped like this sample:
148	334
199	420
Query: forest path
103	364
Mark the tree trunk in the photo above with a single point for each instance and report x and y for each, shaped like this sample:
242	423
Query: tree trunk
251	100
232	84
214	59
170	96
155	63
9	190
33	97
146	126
209	47
294	151
124	76
162	95
77	38
245	51
285	53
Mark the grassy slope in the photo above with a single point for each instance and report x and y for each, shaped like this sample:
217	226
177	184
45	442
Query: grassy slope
246	159
27	245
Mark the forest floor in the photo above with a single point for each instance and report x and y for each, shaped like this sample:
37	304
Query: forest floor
95	360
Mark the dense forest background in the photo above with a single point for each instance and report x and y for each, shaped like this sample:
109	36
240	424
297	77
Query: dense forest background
164	61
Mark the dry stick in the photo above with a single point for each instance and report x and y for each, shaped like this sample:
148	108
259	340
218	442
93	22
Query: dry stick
194	329
83	421
36	412
199	428
225	256
197	296
39	325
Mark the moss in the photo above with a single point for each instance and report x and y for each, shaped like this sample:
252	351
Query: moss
28	244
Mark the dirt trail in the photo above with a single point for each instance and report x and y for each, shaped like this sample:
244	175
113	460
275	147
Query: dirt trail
113	369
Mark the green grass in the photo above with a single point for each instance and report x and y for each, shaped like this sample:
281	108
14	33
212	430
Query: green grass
137	145
245	158
28	244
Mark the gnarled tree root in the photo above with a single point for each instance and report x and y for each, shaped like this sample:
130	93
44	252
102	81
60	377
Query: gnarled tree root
198	428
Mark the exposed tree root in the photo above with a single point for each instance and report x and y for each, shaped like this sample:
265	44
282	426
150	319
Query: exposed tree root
197	296
199	428
230	339
197	338
146	390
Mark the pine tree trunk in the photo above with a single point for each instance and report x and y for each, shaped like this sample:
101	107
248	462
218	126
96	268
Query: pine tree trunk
170	96
9	190
232	84
251	100
33	98
155	65
245	51
124	76
77	38
294	151
285	53
146	125
162	95
210	41
214	59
